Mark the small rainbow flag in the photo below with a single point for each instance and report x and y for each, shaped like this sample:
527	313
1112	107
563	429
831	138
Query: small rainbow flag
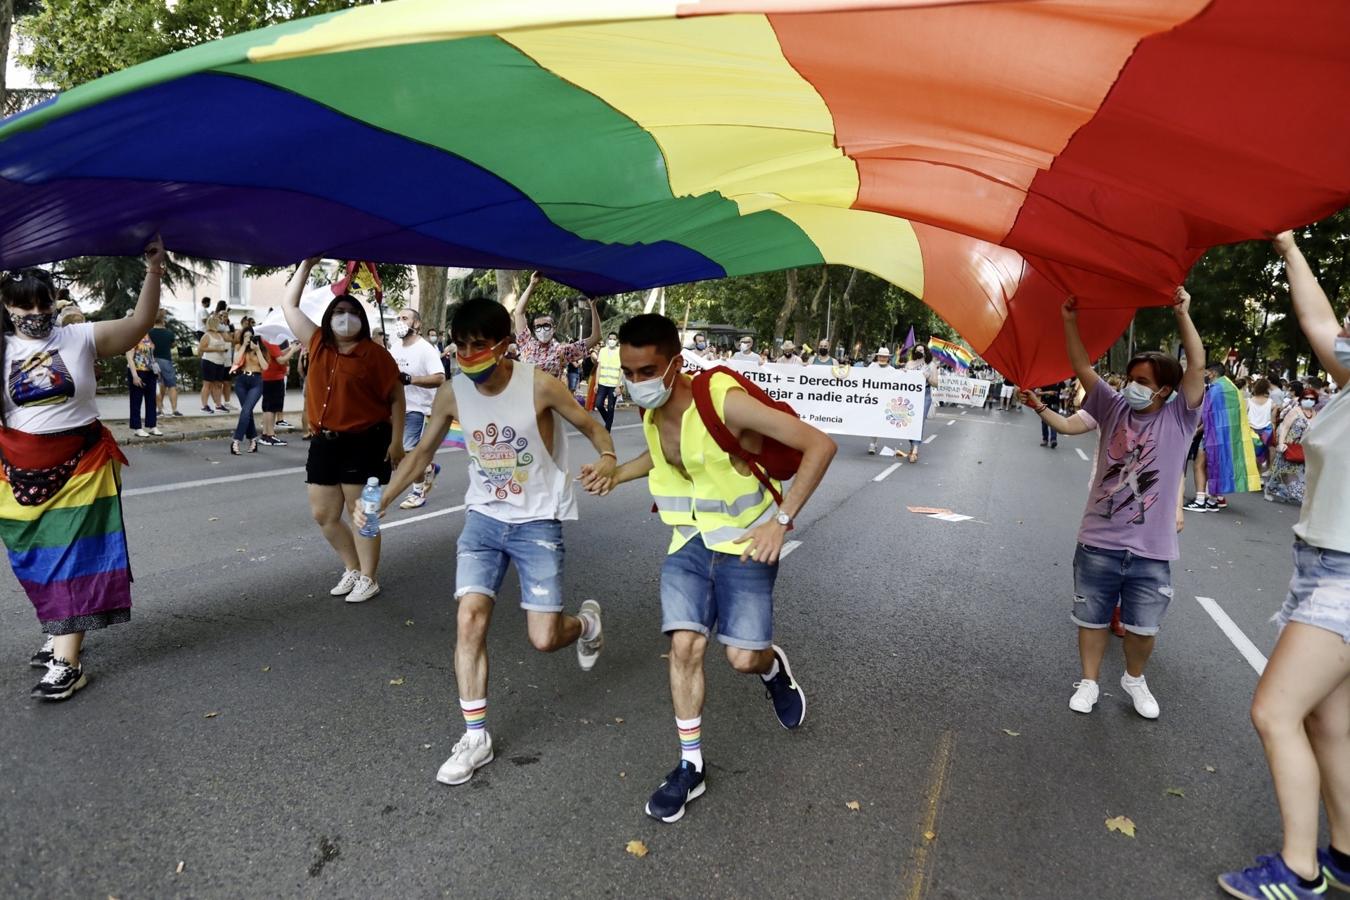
954	355
455	436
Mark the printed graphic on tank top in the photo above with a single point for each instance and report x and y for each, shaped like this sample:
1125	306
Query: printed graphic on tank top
512	475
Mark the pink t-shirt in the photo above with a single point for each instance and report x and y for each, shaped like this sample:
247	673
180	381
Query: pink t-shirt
1133	500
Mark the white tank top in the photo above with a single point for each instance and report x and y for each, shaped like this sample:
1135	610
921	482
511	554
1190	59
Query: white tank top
512	475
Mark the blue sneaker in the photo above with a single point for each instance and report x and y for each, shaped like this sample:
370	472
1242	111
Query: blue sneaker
681	786
789	702
1336	876
1269	879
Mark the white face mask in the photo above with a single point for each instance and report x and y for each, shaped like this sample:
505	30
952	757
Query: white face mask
1137	396
1342	350
544	333
652	393
1307	404
612	342
346	325
745	346
401	329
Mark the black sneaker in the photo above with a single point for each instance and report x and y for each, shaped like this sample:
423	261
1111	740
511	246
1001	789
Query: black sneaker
282	423
789	701
271	441
62	680
681	786
43	658
1196	506
1212	506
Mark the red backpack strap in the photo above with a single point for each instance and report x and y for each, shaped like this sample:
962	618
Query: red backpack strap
703	402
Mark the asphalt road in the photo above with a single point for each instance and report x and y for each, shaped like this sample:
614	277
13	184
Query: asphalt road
244	724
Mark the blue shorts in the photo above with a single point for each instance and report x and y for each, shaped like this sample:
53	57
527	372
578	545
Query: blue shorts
167	376
487	545
1102	578
412	429
702	590
1319	592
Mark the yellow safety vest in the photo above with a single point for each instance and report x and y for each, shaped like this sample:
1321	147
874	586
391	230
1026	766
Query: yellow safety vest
609	371
715	501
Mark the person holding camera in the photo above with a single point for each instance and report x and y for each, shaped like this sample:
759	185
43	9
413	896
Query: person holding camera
248	367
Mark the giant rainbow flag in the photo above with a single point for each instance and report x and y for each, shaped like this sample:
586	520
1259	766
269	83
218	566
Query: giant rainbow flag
989	157
1230	457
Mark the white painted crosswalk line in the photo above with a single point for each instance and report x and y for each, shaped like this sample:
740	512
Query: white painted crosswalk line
788	548
929	439
951	422
1244	645
886	472
1081	455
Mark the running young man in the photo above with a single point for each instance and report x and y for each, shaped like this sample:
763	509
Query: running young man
419	366
520	491
1128	535
723	556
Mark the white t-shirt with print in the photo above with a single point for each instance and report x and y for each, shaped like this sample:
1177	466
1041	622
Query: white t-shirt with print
419	359
50	384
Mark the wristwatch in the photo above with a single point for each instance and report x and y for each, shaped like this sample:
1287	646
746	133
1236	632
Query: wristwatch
783	519
405	377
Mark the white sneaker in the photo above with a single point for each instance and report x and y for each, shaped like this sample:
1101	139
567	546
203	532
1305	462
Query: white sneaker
589	651
414	500
1144	702
345	585
473	751
1085	697
872	449
141	432
156	431
363	590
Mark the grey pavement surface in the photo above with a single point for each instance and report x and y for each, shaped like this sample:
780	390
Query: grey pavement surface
247	726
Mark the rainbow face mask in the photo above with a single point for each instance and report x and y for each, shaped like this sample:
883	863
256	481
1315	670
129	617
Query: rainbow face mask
480	366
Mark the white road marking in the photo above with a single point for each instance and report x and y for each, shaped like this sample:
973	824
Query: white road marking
1240	640
385	526
788	548
273	473
929	439
887	471
951	422
1081	455
964	411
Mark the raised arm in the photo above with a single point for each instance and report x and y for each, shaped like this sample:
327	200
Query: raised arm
594	337
518	317
764	543
1193	380
301	325
120	335
1073	343
1314	312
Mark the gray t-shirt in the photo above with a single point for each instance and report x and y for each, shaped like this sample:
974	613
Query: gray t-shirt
1133	501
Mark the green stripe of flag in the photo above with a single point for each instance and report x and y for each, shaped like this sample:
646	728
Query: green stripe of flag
58	527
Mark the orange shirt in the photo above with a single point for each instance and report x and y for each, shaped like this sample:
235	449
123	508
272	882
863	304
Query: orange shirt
349	391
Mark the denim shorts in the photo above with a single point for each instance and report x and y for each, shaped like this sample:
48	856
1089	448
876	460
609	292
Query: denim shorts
413	423
1319	592
487	545
1102	578
167	375
702	590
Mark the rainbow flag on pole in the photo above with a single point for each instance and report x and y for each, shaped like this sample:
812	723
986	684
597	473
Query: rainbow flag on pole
954	355
1230	460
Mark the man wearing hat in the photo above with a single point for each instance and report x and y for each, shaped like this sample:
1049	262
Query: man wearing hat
790	354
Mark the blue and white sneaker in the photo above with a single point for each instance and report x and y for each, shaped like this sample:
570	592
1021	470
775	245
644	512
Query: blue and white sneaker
789	701
1336	876
680	787
1269	879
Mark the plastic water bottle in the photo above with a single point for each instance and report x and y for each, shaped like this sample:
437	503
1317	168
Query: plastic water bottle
370	505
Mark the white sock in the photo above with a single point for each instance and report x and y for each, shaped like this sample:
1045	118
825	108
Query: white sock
1200	496
768	676
590	625
691	740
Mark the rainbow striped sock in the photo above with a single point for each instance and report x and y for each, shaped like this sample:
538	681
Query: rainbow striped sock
475	714
691	740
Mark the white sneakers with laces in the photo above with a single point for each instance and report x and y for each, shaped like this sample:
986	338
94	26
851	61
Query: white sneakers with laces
363	590
1137	688
345	583
473	751
1085	697
588	651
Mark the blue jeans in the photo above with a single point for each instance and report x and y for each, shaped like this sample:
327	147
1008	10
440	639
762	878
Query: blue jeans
412	429
605	398
702	589
488	545
1048	433
1319	592
248	388
1102	578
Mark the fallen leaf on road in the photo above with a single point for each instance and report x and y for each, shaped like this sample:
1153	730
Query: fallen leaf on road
623	774
637	848
267	668
929	835
426	746
409	622
1175	792
853	805
618	721
396	681
1123	824
1209	768
179	870
240	550
210	715
1010	733
665	656
585	721
214	519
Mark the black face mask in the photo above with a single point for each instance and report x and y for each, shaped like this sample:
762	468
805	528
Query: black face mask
36	326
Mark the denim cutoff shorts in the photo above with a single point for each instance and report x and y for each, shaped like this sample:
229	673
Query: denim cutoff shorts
1102	578
1319	592
487	545
413	423
703	590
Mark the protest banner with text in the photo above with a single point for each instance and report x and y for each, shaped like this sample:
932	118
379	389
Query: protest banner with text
960	390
